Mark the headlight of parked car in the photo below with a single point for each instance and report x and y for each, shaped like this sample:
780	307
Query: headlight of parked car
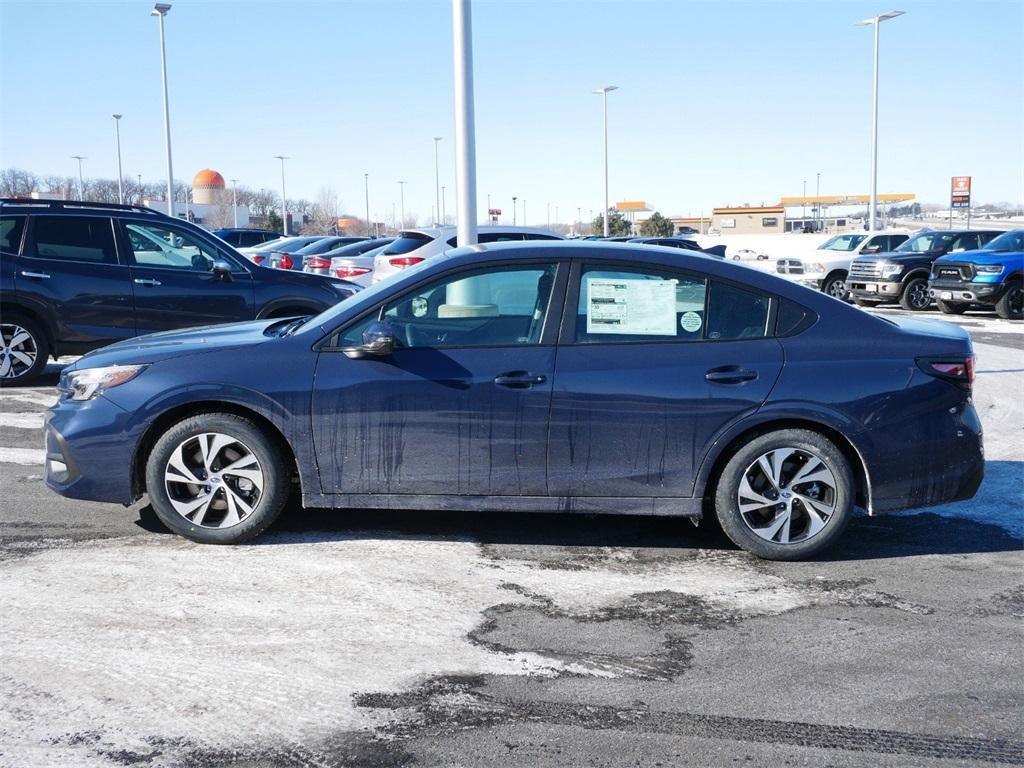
815	267
87	383
989	269
891	270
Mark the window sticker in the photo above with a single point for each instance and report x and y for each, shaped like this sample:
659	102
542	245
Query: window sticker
690	322
640	307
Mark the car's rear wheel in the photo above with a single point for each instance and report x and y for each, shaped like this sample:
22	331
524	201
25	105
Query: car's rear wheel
217	478
1011	305
786	495
24	349
951	308
915	295
835	287
866	302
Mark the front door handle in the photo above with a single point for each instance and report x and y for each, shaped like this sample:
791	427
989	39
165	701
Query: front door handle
146	281
519	379
730	374
36	275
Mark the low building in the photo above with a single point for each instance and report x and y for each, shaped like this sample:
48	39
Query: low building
749	220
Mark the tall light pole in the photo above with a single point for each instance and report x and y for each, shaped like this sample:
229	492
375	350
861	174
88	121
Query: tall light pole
81	179
444	207
604	93
817	203
514	200
401	193
117	136
160	10
234	201
549	215
284	200
437	180
876	22
465	123
366	189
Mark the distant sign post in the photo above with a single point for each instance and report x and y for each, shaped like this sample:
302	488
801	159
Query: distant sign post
960	197
494	213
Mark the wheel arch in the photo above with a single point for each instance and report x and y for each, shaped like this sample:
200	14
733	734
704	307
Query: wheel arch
711	469
915	273
186	410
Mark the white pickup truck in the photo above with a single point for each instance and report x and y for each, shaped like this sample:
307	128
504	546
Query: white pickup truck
827	267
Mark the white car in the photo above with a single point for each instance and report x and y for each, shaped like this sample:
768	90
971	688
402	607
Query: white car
827	268
415	245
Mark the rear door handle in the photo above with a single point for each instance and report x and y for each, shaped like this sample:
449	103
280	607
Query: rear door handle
37	275
730	374
146	281
519	380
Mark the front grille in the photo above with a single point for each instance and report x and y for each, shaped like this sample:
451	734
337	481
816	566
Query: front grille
865	269
953	272
789	267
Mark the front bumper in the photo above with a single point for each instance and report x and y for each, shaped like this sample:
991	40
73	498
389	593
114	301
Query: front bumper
962	291
878	290
90	448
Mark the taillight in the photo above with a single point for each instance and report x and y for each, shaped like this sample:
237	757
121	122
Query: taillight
346	272
315	262
286	261
258	259
404	261
958	371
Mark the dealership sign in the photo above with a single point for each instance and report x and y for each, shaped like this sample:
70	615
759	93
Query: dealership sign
960	194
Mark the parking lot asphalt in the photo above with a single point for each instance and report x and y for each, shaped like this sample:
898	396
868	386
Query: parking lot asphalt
396	638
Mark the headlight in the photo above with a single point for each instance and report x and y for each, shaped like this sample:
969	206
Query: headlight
890	270
87	383
989	269
815	267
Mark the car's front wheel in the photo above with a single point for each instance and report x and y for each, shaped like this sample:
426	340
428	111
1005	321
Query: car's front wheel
217	478
1011	305
915	295
24	349
785	495
835	287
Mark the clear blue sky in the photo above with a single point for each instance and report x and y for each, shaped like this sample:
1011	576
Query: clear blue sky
719	103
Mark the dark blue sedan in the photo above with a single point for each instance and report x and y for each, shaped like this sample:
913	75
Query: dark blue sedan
579	377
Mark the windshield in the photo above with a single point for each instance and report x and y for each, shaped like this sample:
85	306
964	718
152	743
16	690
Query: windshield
406	242
842	243
1008	241
928	241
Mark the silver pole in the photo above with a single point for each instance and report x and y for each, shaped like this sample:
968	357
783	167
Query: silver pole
401	192
437	181
81	180
817	204
366	189
515	208
444	207
284	199
605	164
873	205
161	10
120	182
234	201
465	123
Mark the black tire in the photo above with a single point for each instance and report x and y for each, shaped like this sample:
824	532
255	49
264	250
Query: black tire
951	308
276	478
805	443
15	372
835	286
866	302
914	295
1009	306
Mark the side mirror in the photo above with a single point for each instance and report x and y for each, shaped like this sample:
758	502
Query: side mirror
872	249
378	341
222	271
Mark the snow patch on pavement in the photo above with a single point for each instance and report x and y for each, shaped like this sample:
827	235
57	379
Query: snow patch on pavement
225	647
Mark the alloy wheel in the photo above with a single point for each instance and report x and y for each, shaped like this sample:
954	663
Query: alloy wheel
18	351
837	289
918	294
214	480
1015	301
787	495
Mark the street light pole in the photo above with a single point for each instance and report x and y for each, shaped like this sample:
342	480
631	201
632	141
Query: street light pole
514	200
160	10
284	199
817	204
465	123
876	22
437	180
401	194
604	92
234	201
120	181
444	207
366	189
81	180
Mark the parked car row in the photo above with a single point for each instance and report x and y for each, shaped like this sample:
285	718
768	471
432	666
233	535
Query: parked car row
829	267
991	277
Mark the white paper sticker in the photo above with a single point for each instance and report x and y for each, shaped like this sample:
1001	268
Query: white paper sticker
640	307
690	321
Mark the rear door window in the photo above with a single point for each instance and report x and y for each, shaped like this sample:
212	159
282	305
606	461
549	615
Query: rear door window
11	228
87	239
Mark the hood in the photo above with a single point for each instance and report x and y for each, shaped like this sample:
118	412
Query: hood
899	257
983	256
169	344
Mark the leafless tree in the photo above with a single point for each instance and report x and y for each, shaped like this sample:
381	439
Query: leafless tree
14	182
324	213
220	213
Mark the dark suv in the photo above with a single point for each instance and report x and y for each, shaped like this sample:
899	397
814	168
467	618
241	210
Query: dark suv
240	237
902	275
76	276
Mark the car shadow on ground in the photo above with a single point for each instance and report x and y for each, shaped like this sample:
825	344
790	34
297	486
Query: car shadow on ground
867	538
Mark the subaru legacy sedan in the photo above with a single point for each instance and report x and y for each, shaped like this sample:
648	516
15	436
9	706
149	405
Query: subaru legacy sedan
568	377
